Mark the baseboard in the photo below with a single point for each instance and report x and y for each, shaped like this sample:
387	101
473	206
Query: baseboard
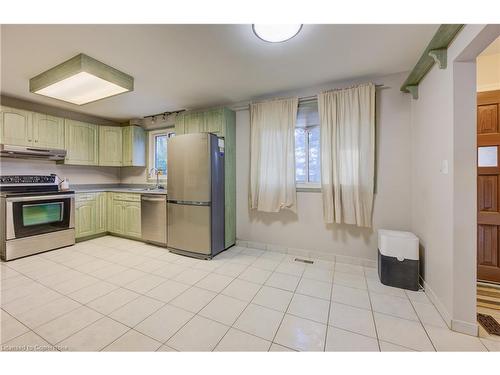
308	253
437	303
465	327
453	324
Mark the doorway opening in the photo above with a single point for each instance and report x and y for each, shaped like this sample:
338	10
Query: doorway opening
488	189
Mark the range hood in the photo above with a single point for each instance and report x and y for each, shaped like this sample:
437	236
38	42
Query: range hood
27	152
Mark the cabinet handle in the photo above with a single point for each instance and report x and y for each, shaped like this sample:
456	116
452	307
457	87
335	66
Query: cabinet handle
36	140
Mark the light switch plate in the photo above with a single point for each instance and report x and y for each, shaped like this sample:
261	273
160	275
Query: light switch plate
444	167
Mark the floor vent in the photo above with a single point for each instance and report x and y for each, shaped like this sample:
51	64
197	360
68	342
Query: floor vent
304	260
489	324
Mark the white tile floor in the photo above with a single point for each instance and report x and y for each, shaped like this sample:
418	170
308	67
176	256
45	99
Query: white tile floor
114	294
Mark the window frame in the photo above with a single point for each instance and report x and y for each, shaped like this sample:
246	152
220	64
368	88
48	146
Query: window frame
152	134
308	186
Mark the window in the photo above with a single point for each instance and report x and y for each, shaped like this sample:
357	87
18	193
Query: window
158	151
307	146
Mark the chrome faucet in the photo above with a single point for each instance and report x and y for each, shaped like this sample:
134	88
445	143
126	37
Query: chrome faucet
157	172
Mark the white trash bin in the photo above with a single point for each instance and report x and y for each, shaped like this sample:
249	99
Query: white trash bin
398	260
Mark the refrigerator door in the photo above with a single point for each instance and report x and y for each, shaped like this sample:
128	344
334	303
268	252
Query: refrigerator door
189	228
189	168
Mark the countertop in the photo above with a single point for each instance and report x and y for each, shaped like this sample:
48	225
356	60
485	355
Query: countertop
117	188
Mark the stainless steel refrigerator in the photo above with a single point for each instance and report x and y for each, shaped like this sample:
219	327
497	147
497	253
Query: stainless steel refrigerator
195	172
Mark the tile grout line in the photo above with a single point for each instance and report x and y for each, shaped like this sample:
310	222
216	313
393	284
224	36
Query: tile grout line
286	310
329	308
373	314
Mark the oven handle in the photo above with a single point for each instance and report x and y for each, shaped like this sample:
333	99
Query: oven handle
39	198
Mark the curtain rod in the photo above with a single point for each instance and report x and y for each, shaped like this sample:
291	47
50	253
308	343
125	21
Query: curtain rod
303	99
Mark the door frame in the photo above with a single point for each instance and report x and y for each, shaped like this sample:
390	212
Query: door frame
465	181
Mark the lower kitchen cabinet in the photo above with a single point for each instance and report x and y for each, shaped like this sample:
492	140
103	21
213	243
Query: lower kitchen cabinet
85	215
101	212
125	214
116	213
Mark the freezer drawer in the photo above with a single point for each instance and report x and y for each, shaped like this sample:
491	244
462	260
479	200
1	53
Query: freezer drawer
189	228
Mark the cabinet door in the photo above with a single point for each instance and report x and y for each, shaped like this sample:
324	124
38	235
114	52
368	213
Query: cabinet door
213	121
110	146
85	224
180	122
194	123
48	131
101	212
132	216
134	147
117	217
81	143
16	127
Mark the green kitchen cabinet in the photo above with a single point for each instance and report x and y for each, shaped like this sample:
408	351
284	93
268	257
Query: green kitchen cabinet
85	214
189	122
81	141
16	126
24	128
117	222
101	212
126	215
132	219
222	122
48	131
214	121
110	146
134	146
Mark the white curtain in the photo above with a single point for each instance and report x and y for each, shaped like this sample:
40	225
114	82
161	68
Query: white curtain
272	155
347	122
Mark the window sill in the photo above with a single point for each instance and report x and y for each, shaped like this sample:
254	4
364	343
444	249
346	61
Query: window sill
314	188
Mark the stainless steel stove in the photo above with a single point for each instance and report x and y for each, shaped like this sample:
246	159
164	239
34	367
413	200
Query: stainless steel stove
36	216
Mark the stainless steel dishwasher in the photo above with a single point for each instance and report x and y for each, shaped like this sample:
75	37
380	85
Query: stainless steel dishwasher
154	218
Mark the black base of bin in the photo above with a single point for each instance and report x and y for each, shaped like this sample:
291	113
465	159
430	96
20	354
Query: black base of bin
402	274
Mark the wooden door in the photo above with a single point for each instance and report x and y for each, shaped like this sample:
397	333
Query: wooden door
16	127
488	186
48	131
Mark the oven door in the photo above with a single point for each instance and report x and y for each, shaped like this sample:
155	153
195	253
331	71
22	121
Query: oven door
31	215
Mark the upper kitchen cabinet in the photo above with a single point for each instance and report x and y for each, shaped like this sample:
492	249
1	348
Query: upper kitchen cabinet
134	146
214	121
48	131
81	141
25	128
211	121
16	127
110	146
189	122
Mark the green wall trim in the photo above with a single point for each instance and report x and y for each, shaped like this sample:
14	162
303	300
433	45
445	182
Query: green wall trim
436	51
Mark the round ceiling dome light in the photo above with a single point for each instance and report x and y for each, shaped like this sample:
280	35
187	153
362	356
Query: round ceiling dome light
276	33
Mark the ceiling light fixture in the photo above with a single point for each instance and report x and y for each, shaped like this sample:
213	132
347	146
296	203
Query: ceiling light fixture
81	80
276	33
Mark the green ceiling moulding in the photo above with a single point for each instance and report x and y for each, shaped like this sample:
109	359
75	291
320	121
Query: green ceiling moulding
81	80
436	52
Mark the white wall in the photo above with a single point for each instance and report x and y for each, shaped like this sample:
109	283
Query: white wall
443	205
75	174
306	229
